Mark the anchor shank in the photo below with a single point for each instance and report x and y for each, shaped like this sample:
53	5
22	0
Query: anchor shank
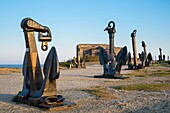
111	49
133	35
35	74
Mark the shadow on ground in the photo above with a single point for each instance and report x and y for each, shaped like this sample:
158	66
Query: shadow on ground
7	98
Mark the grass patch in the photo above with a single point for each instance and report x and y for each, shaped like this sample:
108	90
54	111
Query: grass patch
134	74
162	63
144	87
7	71
163	81
168	62
16	71
128	74
99	92
160	74
2	67
92	58
137	73
108	81
140	75
157	72
64	64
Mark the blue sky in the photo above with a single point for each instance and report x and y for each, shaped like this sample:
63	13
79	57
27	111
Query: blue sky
83	21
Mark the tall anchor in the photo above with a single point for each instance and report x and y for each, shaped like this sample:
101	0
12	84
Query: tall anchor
39	88
111	69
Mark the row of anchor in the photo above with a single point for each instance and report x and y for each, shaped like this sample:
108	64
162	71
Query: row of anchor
39	87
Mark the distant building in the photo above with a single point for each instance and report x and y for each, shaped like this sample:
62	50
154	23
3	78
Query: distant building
91	50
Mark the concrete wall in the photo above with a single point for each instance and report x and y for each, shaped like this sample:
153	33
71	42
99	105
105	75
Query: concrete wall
92	49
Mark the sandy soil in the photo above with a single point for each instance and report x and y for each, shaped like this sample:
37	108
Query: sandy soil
73	84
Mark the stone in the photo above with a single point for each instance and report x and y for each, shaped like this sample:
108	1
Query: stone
92	50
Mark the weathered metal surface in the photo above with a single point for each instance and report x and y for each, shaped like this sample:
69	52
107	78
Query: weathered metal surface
121	59
160	56
149	58
109	60
104	59
133	35
111	31
168	58
39	89
163	57
130	66
144	48
143	60
77	63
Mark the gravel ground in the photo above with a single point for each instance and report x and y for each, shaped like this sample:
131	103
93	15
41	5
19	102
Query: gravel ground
71	83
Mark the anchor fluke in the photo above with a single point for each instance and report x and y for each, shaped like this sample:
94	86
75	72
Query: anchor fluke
51	65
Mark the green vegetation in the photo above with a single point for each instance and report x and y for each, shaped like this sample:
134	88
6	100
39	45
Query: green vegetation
107	81
99	92
2	67
64	64
140	75
136	75
162	63
168	62
144	87
14	71
158	72
163	81
92	58
128	74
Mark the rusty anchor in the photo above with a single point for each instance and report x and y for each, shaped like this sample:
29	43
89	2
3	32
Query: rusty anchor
111	63
39	88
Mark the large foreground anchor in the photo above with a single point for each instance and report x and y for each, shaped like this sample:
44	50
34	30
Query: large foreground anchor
111	69
39	88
